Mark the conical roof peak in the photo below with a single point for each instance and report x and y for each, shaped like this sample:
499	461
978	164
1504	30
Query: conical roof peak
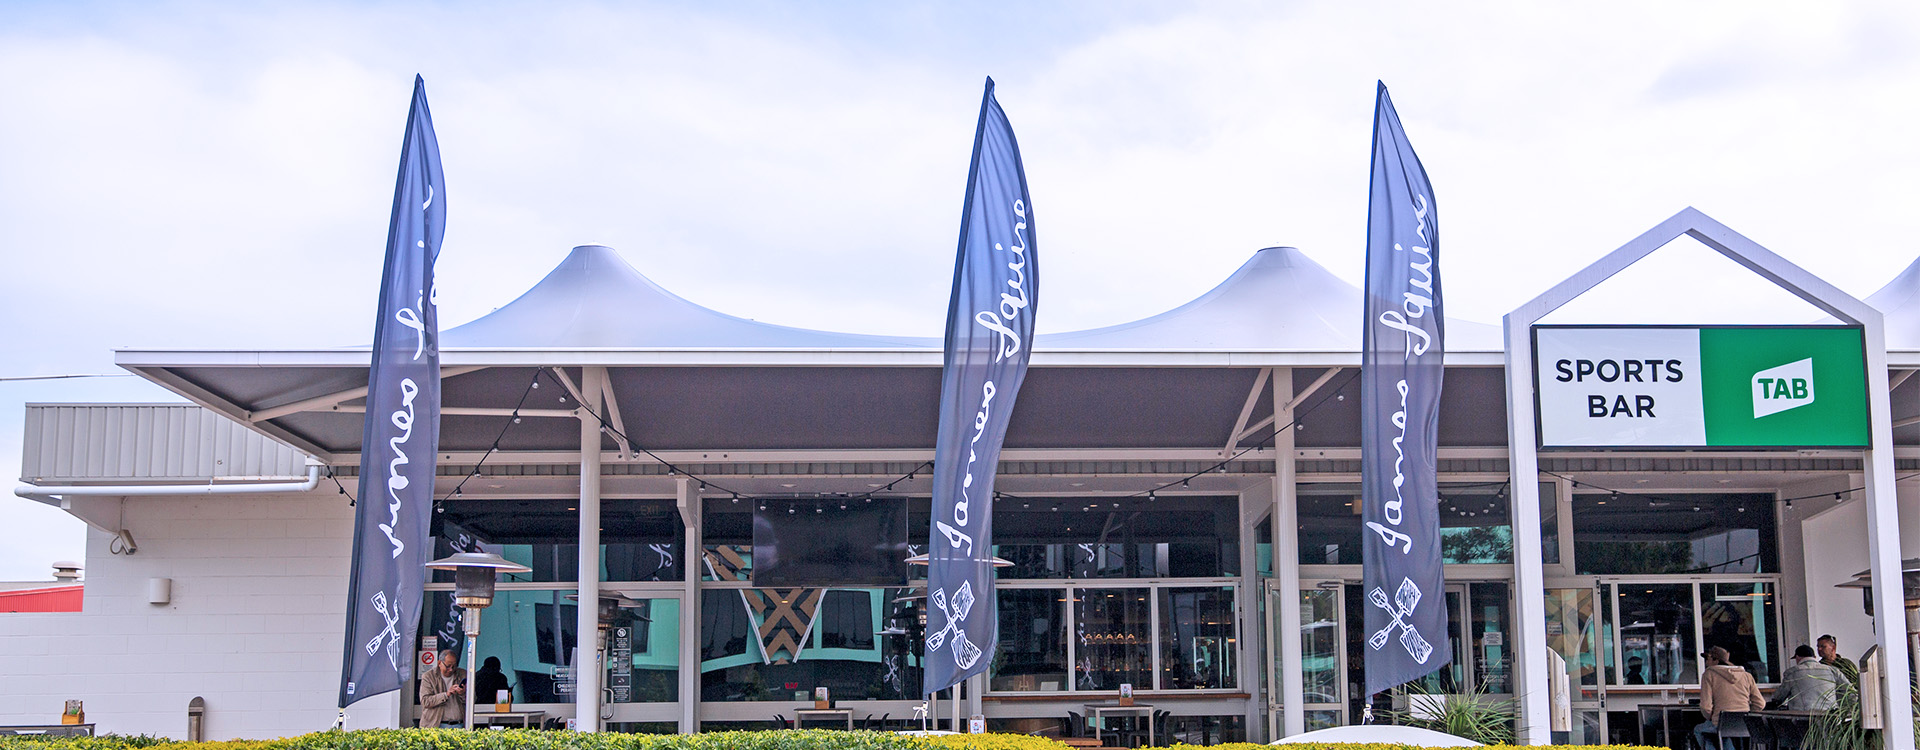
1279	300
594	299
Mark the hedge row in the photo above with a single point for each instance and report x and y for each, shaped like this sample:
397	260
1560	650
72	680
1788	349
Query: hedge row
1378	746
534	739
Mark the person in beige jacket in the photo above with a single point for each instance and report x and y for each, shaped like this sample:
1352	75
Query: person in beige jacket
1724	688
443	696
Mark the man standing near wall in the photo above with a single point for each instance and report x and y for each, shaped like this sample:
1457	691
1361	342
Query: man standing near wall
442	694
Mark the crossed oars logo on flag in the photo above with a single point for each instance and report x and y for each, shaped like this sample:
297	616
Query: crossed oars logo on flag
1401	607
964	652
391	634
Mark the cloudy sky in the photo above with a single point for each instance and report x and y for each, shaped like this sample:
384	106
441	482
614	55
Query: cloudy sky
197	174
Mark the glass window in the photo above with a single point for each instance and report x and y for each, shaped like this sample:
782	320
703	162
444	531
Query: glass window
1114	643
1549	523
1488	608
643	644
641	540
1740	618
1571	632
1656	634
759	644
527	637
1320	644
1474	524
1197	641
1629	534
846	620
1263	548
1179	537
1033	641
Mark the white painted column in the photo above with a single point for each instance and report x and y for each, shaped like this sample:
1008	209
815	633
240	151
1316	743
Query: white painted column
1883	548
1529	580
586	669
1286	557
691	560
1253	630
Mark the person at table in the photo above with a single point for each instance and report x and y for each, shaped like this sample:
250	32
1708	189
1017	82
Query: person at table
1830	656
1808	685
489	681
1724	688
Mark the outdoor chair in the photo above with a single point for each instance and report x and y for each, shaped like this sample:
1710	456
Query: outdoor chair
875	724
1762	730
1076	724
780	722
1733	726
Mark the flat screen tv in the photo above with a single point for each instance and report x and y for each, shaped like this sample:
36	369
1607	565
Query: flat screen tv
814	543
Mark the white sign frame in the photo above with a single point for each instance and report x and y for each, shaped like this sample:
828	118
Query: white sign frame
1883	522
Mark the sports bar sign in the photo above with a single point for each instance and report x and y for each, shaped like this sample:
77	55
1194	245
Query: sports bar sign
1700	387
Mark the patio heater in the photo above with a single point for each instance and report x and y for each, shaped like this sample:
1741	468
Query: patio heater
473	579
1909	592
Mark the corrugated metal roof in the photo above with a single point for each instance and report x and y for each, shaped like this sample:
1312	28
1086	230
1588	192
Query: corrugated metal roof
131	443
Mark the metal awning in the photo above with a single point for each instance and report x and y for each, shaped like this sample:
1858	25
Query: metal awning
685	377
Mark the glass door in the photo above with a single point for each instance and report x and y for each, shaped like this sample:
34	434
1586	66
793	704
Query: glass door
1573	632
1323	648
1451	679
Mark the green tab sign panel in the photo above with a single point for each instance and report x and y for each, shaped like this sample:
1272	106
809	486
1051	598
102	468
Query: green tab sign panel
1700	387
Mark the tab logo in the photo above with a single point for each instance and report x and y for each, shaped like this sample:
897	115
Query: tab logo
1777	389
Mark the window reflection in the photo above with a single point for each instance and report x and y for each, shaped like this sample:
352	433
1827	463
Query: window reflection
1627	534
1475	527
532	633
1571	633
1487	607
1739	617
1197	644
1320	644
1062	538
774	644
643	652
1656	634
642	540
1033	641
1114	643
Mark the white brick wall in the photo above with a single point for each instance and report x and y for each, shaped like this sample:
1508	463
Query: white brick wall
259	601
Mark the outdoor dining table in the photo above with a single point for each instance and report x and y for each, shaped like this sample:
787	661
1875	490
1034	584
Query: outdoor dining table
1789	727
526	719
803	714
1099	711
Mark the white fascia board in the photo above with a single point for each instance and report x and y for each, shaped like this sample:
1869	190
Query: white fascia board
141	360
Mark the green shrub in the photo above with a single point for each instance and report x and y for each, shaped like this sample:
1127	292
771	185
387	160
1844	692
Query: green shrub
1379	746
534	739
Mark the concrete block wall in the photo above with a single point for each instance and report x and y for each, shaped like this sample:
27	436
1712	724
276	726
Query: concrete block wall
254	625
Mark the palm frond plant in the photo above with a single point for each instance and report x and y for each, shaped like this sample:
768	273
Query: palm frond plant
1476	715
1841	728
